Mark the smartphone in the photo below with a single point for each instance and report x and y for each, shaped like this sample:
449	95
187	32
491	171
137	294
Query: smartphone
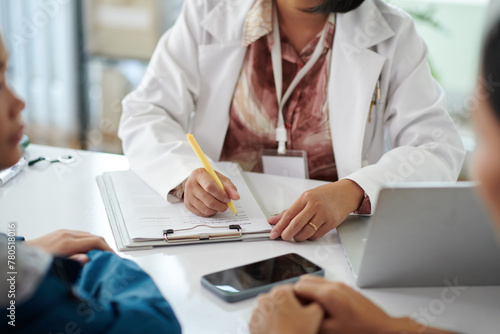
249	280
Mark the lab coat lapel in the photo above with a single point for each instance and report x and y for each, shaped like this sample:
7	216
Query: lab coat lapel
220	64
354	73
225	21
355	69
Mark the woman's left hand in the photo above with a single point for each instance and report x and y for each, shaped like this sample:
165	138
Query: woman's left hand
318	211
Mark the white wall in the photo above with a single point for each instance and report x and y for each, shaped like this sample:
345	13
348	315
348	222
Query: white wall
40	36
454	53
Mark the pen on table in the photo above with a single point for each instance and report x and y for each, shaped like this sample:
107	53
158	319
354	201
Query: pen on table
197	149
9	173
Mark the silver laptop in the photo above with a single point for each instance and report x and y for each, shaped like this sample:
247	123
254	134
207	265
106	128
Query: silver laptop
423	235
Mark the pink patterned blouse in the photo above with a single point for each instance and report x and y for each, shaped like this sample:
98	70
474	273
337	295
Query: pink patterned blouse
254	110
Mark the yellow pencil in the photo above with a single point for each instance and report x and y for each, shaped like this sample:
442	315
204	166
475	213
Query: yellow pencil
208	167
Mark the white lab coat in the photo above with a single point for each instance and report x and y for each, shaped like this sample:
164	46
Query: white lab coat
192	76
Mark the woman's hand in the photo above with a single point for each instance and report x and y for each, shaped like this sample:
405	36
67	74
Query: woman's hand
203	197
324	207
347	311
73	244
281	312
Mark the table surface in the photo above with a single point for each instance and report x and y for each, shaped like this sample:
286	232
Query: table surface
46	197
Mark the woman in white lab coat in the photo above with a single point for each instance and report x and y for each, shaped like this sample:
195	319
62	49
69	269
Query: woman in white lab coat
385	114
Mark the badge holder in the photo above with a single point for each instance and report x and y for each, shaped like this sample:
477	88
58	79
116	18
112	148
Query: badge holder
292	164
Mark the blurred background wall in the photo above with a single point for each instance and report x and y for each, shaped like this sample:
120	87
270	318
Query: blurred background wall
74	61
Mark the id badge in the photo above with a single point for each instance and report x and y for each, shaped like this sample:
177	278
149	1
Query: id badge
291	164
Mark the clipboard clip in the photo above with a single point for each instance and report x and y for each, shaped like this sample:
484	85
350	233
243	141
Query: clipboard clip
234	232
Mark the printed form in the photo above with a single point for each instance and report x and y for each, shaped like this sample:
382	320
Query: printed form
147	214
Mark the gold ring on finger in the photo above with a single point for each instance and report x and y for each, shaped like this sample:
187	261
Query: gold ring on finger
313	226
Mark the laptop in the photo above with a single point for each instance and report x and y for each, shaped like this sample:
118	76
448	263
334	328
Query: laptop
423	235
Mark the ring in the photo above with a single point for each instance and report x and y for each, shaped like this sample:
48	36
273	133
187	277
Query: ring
313	226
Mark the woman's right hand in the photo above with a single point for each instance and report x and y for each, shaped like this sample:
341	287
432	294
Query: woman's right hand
202	195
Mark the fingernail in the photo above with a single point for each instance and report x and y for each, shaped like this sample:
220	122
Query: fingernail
82	258
227	200
274	235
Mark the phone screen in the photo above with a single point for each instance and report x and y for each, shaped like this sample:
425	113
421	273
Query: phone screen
262	273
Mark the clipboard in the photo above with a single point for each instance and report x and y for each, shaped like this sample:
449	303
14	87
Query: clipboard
177	232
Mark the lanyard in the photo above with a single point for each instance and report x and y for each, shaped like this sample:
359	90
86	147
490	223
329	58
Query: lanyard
281	132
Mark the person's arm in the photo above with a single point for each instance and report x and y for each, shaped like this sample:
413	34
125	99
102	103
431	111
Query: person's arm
426	145
28	266
74	244
347	311
108	295
425	142
30	260
156	116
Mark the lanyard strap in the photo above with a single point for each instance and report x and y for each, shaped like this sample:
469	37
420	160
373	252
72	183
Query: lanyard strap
281	132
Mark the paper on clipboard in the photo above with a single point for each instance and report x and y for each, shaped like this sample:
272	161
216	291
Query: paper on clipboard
145	215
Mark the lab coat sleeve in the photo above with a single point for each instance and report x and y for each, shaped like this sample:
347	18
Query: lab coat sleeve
425	142
156	115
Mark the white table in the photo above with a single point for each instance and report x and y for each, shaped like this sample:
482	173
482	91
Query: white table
45	198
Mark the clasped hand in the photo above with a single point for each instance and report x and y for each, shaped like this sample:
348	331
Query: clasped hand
315	305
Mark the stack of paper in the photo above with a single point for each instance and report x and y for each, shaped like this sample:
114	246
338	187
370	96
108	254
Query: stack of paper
139	216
